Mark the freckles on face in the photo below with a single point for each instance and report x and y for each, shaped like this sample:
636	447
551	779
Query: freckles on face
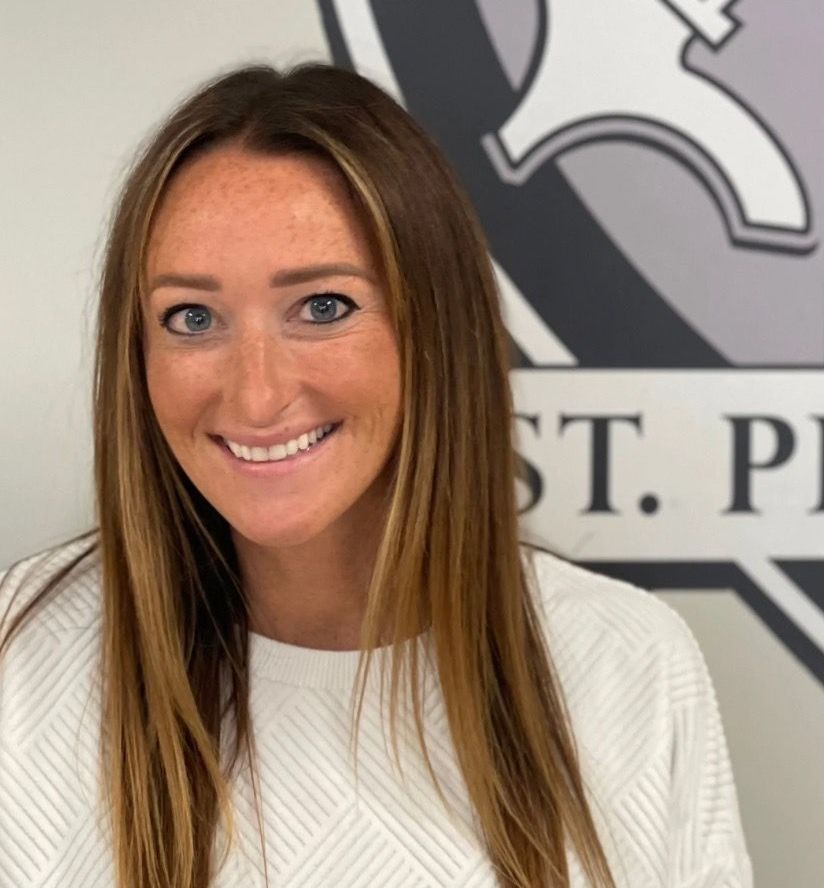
265	320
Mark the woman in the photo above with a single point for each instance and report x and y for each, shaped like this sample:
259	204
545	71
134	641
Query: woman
303	463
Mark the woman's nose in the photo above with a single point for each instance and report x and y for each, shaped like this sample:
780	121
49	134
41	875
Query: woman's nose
258	380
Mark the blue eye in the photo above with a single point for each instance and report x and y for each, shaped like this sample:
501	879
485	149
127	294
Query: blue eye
195	319
191	320
322	307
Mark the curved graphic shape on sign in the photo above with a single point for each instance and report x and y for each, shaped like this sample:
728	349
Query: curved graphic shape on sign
539	233
639	88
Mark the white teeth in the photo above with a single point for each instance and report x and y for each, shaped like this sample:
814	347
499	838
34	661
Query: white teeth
278	452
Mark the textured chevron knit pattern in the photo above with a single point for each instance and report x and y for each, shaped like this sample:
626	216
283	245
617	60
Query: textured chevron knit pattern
642	703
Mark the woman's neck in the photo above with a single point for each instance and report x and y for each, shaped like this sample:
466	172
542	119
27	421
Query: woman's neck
312	594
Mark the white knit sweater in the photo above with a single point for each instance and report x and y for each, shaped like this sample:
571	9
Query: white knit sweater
643	707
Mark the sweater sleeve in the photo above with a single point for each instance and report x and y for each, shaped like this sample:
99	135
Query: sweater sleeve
707	848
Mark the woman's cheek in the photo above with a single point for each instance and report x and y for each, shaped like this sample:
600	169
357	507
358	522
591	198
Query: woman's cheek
180	384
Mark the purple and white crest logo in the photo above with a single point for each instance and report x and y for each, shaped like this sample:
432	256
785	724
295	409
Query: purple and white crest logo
647	172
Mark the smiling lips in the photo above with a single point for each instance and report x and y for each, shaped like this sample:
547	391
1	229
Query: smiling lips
278	452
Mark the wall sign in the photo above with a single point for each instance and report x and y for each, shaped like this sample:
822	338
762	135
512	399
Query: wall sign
648	173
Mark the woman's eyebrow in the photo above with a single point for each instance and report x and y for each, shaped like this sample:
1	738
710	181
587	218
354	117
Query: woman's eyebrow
291	276
189	281
286	277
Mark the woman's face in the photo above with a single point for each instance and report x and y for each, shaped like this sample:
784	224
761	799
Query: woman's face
266	322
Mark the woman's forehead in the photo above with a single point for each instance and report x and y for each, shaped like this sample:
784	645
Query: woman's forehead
229	197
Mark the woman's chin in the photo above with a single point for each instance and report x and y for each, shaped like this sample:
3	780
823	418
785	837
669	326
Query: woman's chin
276	537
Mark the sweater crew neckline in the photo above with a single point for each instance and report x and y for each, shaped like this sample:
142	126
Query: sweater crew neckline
314	668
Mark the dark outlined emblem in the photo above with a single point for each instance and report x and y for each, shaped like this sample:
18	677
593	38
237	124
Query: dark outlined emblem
647	177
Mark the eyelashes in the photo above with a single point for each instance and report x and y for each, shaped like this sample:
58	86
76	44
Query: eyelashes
197	319
198	314
330	298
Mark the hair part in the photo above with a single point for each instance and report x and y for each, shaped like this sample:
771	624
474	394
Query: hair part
175	619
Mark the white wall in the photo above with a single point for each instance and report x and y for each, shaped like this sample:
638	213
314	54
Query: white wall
83	82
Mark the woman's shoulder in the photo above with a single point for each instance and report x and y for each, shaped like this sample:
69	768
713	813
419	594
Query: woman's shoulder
72	571
647	723
625	659
582	603
606	633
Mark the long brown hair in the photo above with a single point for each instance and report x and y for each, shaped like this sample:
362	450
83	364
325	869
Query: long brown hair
175	622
